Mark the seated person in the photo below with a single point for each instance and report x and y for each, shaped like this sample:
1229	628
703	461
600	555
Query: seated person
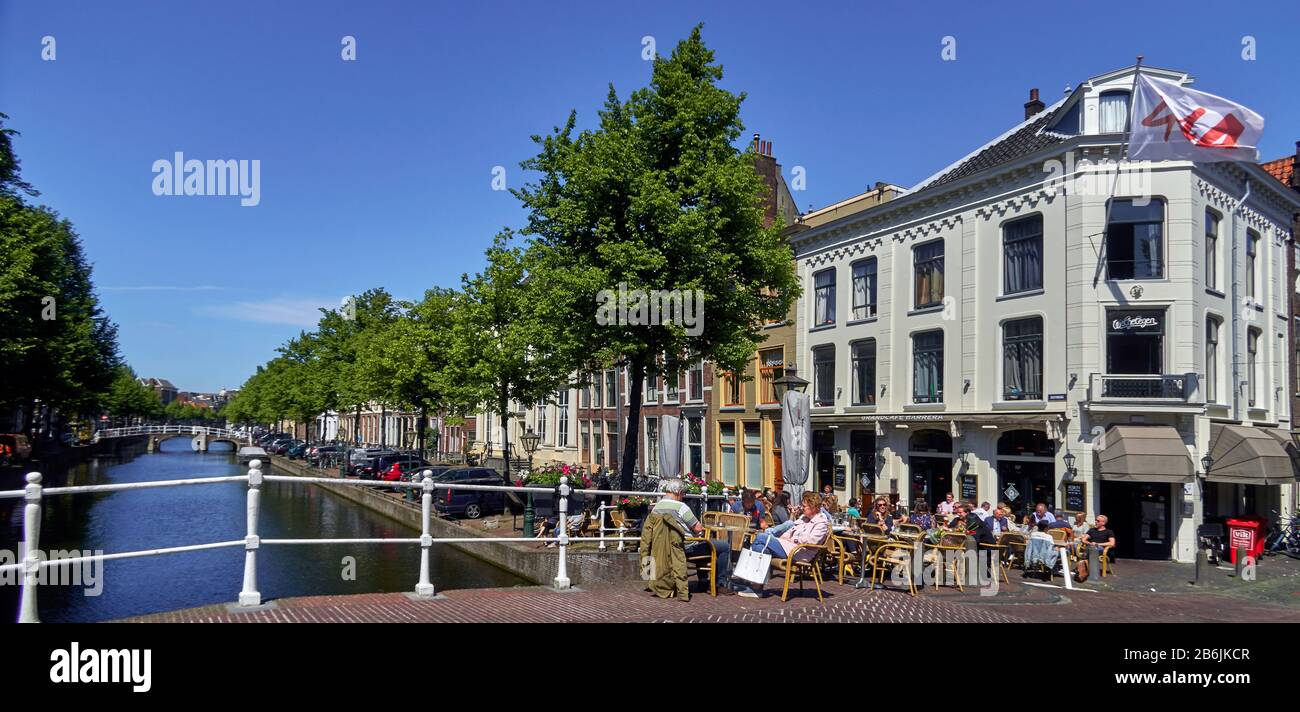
1061	523
671	504
781	510
879	514
921	516
1041	548
749	504
1080	525
830	505
947	506
999	522
814	527
969	521
1027	524
1100	536
853	508
1040	513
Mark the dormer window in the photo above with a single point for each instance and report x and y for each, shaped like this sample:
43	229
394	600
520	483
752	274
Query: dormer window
1113	110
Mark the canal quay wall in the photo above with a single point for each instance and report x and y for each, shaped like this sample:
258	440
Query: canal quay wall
526	560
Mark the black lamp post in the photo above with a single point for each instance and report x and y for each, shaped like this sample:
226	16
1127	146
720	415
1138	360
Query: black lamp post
1069	459
788	382
1206	463
531	440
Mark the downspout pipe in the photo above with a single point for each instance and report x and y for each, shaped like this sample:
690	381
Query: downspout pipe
1237	311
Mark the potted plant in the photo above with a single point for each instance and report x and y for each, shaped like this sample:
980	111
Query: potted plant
634	507
544	503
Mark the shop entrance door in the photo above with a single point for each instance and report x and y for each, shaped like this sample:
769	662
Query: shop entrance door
1024	484
1142	517
931	480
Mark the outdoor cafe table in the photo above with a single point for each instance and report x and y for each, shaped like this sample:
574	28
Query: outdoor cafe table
864	539
727	530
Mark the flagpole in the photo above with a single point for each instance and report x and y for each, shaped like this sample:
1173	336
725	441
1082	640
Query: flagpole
1119	166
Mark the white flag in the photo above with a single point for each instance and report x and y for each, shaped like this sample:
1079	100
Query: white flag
1173	123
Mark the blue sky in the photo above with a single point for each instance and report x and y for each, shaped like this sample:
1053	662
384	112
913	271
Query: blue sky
378	172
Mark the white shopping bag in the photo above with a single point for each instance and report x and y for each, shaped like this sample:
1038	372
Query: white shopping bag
753	567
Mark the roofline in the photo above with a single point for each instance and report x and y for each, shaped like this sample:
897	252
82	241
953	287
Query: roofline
1256	171
953	166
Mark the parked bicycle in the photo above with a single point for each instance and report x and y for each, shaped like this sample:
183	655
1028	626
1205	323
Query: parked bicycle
1284	536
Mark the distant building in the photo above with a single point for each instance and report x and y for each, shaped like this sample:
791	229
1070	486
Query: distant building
163	387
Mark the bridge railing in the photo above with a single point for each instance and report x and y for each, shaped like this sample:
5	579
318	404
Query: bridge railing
33	561
166	430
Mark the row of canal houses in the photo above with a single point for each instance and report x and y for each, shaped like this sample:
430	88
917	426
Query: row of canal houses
987	333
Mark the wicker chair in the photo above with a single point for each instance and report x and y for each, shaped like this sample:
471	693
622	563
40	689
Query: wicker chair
736	538
839	554
706	562
908	530
1060	535
788	567
710	518
1013	548
890	555
949	542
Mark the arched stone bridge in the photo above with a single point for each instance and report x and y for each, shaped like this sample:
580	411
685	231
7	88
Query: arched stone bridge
158	433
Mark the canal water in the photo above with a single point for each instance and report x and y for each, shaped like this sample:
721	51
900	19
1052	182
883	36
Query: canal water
178	516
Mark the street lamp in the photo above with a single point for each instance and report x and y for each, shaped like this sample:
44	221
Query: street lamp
1206	463
1069	459
531	441
788	382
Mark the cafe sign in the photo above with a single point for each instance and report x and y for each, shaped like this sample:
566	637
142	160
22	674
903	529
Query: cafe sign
1141	323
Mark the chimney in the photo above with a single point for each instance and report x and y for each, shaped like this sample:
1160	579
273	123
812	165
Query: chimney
1033	107
1295	168
758	144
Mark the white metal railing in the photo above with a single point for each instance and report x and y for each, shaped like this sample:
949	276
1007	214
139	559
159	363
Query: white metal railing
249	596
135	430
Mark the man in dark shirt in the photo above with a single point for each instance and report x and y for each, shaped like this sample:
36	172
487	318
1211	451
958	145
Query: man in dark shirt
977	528
1100	535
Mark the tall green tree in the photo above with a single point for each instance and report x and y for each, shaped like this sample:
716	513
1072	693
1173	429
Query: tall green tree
659	197
502	349
58	346
408	367
128	398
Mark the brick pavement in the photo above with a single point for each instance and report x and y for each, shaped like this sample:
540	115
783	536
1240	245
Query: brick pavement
626	602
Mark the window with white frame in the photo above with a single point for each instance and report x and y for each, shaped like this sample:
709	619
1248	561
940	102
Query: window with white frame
1252	267
1211	360
727	445
540	425
824	297
927	367
927	265
864	288
1022	359
695	381
824	375
562	418
1252	365
1211	249
1022	255
652	445
864	372
1113	108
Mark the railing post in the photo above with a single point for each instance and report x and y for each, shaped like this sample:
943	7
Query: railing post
27	612
601	545
562	574
250	596
424	589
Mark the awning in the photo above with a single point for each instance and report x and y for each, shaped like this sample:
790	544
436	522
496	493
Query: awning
1144	453
1250	456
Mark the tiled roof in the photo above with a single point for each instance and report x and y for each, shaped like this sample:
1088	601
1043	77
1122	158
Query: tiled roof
1028	139
1281	169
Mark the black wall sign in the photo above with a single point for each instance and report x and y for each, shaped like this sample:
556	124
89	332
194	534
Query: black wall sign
1076	496
840	476
970	490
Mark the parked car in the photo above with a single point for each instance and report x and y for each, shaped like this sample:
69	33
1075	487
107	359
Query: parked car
317	453
379	465
297	452
14	448
270	438
280	447
471	504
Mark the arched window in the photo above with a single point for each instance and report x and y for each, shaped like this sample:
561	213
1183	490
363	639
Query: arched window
1026	443
1114	112
930	441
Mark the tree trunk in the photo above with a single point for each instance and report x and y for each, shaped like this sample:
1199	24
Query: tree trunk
635	374
419	431
505	432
